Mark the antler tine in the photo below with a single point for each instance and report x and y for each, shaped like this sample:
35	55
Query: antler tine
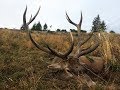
78	31
88	50
81	18
71	47
64	56
24	17
79	26
69	20
82	43
36	44
31	19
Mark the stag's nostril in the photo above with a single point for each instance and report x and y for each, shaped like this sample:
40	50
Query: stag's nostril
49	66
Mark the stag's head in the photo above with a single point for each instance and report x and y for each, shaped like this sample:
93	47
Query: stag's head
72	61
65	60
25	25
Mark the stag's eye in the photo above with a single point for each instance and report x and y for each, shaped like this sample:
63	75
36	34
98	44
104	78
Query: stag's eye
68	70
77	67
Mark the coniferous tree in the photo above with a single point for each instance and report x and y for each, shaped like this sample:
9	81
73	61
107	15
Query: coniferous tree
64	30
103	26
112	31
38	27
58	30
98	25
33	27
73	30
45	27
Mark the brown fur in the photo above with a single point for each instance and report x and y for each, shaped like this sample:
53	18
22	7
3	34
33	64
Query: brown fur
75	64
96	65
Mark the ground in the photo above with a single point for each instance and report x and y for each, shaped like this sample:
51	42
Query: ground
24	67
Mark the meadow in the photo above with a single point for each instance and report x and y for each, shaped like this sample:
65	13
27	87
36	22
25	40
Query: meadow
24	67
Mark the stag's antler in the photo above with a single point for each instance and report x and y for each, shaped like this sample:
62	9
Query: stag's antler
48	49
25	25
80	51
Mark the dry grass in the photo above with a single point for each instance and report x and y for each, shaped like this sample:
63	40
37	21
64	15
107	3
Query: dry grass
24	67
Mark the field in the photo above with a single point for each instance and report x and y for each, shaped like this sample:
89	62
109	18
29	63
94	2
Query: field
24	67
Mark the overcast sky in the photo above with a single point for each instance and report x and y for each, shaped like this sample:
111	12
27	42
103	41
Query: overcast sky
52	12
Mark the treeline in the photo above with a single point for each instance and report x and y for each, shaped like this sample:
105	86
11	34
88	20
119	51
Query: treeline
39	27
98	25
